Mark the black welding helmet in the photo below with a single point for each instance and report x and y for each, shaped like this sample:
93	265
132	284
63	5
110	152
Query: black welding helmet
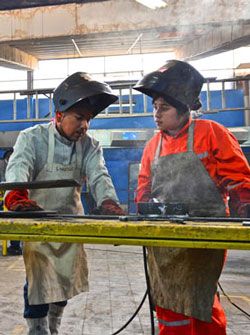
177	82
80	86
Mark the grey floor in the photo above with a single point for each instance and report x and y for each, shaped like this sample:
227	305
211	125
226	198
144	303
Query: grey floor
117	286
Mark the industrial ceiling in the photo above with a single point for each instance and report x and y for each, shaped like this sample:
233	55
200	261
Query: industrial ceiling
40	30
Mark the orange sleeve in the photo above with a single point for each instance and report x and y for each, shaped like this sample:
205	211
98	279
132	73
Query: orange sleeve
144	179
233	170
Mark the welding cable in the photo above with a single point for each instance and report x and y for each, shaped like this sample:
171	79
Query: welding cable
147	293
235	305
133	316
151	305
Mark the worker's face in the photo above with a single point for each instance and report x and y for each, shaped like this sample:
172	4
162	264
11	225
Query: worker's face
74	123
166	116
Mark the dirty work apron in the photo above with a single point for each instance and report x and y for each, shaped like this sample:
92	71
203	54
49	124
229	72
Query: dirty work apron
185	280
57	271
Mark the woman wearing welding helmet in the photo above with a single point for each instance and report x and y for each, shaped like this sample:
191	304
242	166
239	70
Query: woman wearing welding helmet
198	163
60	150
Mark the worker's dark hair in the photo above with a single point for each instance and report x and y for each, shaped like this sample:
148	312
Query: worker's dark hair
181	109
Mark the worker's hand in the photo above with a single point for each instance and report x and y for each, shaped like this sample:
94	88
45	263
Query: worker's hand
25	206
244	211
109	207
17	200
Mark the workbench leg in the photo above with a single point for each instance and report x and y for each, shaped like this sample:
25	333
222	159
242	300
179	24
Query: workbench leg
4	248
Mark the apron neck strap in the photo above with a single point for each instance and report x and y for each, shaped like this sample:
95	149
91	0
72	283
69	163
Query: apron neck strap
51	147
190	142
158	149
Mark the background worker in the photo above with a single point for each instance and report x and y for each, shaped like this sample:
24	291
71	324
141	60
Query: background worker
60	150
14	249
198	163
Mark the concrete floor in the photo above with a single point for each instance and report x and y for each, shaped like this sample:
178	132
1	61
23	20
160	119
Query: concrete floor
117	286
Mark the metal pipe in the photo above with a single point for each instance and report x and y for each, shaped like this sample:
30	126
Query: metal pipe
208	96
14	108
120	101
246	88
50	105
223	98
130	100
36	107
145	104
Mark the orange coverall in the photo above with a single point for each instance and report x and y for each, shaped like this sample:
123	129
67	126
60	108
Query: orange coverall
226	164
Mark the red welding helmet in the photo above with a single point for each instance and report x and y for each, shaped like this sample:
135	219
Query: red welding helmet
80	86
177	82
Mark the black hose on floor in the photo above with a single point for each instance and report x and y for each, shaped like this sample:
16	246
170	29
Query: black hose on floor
147	293
133	316
151	305
234	304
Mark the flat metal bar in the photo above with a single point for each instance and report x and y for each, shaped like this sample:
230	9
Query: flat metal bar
192	235
236	245
39	184
26	214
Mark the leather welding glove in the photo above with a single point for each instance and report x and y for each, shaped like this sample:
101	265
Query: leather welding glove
244	211
239	203
108	207
17	200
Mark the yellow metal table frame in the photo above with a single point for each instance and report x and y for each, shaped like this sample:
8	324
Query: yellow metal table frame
210	235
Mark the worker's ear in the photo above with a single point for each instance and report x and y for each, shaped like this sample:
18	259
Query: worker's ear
59	116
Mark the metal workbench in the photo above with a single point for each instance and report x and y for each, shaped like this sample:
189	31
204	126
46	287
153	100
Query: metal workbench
215	235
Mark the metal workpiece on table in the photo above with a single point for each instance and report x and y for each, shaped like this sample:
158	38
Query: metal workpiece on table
194	234
39	184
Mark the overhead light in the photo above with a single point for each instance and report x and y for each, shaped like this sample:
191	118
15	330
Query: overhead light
153	4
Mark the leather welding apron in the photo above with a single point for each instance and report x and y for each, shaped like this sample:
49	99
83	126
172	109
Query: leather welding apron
185	280
57	271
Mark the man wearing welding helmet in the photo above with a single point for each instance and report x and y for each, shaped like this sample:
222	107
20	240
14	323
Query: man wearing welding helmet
198	163
60	150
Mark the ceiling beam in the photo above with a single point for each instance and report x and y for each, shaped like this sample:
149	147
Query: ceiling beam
110	16
17	4
16	59
215	41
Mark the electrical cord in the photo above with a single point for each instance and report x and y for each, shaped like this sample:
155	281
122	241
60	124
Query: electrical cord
234	304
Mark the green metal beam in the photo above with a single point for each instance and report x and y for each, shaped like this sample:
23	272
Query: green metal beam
213	235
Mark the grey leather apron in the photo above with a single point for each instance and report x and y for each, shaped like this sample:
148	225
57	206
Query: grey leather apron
185	280
57	271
